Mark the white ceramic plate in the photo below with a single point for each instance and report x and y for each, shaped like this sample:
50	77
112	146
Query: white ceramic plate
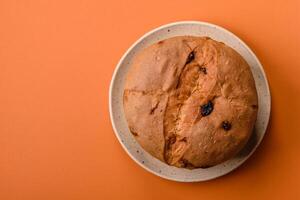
119	123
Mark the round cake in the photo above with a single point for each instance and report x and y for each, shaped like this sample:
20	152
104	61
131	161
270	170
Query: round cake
190	101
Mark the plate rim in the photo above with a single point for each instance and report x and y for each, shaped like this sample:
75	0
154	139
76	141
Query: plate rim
141	38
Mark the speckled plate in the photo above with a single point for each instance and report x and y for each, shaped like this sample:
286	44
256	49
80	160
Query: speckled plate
119	123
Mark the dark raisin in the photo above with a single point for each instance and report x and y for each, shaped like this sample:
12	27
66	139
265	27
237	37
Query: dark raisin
254	106
133	132
226	125
206	109
190	57
203	69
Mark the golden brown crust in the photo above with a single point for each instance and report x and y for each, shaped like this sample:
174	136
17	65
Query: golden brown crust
190	101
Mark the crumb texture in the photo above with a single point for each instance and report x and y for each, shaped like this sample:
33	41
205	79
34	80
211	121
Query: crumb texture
190	101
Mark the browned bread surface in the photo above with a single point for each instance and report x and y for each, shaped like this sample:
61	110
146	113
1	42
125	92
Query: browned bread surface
190	101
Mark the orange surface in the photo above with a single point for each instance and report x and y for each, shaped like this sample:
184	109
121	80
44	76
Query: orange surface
56	62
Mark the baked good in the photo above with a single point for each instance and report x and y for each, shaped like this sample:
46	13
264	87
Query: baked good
190	101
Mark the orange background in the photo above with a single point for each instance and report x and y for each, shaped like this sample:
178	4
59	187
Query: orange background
56	62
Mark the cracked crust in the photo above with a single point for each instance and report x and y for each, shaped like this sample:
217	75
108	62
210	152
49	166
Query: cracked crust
166	87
